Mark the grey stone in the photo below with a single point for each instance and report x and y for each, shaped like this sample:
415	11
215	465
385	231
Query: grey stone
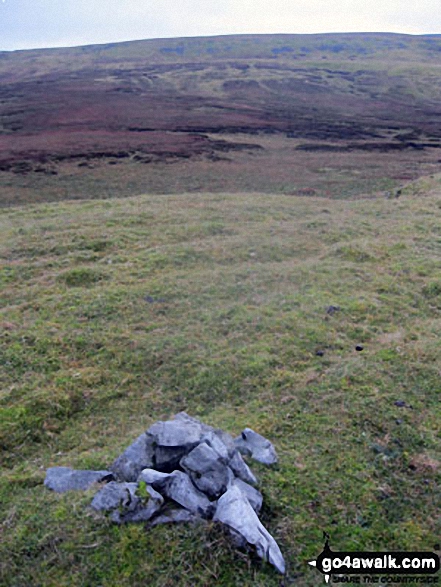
241	469
175	516
125	503
220	443
189	419
207	470
116	495
257	446
180	489
191	472
254	497
167	458
61	479
154	478
138	456
181	432
143	511
235	511
174	438
227	439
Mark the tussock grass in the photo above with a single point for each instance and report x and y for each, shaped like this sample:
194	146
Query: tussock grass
119	313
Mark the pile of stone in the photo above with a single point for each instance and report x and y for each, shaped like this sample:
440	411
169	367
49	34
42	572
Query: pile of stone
182	470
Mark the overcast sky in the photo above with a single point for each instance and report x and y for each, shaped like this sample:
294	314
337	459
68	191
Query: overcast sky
26	24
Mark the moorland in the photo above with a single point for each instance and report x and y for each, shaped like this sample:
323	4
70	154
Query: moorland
326	115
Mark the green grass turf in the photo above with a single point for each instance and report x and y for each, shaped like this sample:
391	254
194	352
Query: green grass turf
240	285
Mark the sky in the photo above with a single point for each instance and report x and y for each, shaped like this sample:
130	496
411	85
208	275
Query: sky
28	24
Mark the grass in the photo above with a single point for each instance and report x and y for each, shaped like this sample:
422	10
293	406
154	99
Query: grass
119	313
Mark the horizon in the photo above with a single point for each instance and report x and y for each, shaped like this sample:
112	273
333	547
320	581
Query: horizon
214	36
38	24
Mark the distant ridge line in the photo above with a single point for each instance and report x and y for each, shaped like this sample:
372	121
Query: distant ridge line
234	37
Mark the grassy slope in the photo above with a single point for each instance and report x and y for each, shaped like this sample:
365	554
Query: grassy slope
241	284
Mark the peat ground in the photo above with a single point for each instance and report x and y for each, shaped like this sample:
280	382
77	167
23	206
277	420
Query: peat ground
340	115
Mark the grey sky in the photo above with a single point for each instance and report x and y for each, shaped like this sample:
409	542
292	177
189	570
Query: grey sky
54	23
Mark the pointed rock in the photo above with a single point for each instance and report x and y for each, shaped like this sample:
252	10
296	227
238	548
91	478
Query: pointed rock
235	511
221	442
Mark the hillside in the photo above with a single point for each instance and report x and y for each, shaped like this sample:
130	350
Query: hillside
243	311
246	228
328	115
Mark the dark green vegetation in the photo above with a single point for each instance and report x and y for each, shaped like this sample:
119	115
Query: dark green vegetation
119	313
325	115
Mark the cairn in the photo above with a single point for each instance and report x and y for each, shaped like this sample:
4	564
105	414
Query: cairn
183	470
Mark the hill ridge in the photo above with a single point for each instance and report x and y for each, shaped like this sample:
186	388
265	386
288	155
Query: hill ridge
272	113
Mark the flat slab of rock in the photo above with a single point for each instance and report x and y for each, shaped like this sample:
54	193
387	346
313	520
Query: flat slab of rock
138	456
183	431
183	416
235	511
61	479
258	447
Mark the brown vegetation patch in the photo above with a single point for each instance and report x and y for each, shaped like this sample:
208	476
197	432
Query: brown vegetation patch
348	101
423	463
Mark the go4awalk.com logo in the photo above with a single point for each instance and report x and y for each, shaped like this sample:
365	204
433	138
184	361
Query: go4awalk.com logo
377	567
